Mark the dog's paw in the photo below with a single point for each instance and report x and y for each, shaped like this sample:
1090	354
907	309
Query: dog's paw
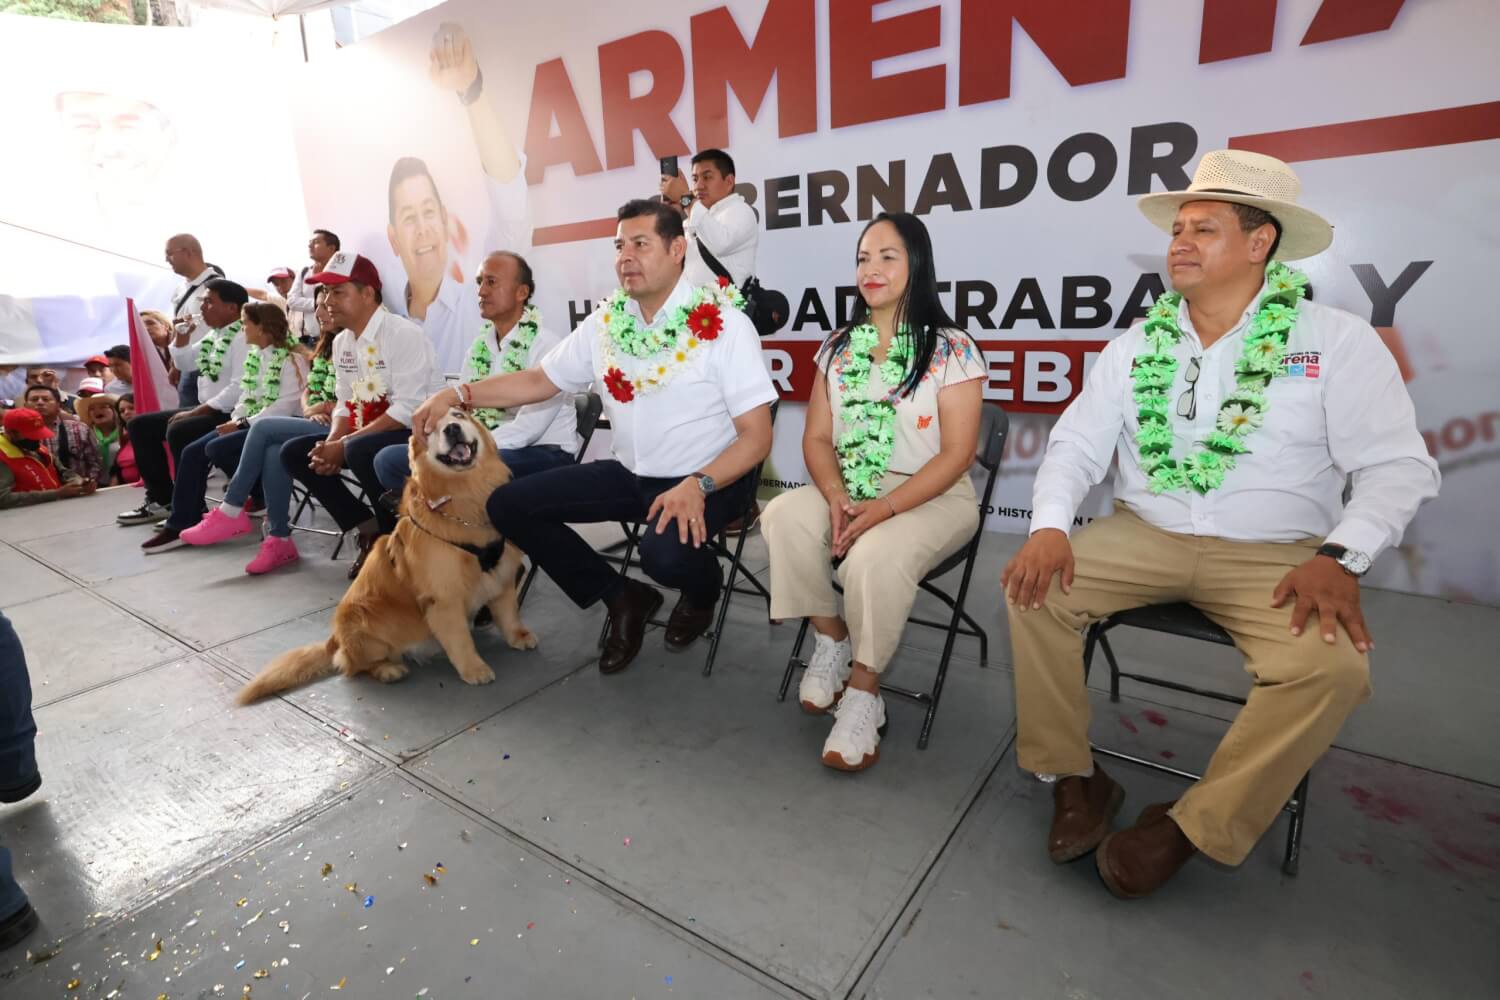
477	675
389	673
522	638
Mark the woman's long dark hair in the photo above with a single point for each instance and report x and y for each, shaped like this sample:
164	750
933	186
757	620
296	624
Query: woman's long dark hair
919	309
324	349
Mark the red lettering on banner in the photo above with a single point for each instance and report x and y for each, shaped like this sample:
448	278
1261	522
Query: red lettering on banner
1086	40
1347	18
552	97
856	41
785	49
1235	28
657	53
1025	376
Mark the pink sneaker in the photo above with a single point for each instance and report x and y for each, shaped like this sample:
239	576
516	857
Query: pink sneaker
274	552
216	527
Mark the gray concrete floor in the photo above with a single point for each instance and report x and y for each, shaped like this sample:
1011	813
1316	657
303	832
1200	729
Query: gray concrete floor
655	834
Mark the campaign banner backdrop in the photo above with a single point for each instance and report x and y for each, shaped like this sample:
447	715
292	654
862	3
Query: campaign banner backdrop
1022	131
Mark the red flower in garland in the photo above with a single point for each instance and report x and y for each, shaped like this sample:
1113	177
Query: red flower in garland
705	323
723	281
619	385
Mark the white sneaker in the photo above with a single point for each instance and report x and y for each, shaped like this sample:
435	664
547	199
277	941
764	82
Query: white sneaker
144	514
826	674
854	743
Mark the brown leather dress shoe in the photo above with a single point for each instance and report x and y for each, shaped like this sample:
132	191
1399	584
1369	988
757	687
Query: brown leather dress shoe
628	614
1082	809
687	623
1137	861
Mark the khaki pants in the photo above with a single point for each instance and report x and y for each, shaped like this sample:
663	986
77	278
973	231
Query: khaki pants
1304	688
881	571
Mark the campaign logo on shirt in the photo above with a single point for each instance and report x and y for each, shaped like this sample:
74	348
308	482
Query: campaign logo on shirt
1303	364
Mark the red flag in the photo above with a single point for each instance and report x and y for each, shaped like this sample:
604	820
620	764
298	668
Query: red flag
152	390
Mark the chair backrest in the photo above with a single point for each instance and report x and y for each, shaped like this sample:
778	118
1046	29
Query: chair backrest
590	409
994	424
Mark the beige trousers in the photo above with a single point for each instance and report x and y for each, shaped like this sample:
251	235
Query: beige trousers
881	571
1303	687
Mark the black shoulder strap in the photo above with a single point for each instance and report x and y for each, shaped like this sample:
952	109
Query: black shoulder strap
194	286
713	262
489	556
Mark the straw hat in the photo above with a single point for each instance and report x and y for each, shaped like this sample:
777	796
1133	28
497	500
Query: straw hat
1245	178
86	408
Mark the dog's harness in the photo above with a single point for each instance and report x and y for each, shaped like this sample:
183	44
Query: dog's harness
488	556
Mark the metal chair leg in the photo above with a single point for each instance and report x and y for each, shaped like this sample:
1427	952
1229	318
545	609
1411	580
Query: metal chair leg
526	585
1090	639
795	660
726	594
1298	811
984	639
1114	667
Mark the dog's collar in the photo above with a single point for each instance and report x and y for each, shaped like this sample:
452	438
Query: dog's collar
435	506
488	556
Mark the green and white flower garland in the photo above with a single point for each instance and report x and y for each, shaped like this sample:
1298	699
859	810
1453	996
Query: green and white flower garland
213	347
1243	410
662	352
869	437
512	359
321	382
258	393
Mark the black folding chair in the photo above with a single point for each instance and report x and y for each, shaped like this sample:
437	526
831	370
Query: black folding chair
590	409
994	425
720	545
1188	622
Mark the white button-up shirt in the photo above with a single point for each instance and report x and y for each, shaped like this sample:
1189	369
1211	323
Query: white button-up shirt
554	421
221	393
301	305
1337	410
730	231
403	360
688	423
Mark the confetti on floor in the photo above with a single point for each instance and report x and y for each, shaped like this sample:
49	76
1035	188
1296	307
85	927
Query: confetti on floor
327	869
369	901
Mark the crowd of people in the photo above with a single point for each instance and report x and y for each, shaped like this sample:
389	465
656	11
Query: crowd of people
1229	465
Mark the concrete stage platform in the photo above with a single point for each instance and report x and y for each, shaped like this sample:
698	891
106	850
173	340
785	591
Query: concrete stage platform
658	834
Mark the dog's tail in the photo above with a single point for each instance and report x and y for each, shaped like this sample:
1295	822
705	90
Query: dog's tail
294	667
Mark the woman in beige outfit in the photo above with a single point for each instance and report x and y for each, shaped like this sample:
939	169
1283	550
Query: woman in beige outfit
891	430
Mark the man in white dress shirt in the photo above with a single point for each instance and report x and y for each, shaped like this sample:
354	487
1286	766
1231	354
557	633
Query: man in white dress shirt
690	420
1236	417
383	369
301	303
420	228
185	257
221	348
536	437
718	219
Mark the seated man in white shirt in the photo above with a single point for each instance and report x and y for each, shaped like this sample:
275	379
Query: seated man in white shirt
383	369
688	399
718	220
1237	411
216	360
536	437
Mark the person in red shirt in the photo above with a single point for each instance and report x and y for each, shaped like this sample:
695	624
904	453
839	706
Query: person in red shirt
28	473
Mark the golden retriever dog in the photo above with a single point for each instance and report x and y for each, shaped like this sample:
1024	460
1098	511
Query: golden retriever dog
427	579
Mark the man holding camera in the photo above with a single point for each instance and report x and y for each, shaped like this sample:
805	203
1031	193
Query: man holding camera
717	219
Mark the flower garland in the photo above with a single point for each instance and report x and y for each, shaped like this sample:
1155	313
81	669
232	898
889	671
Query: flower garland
664	351
512	359
254	393
869	437
369	400
1243	410
212	347
321	382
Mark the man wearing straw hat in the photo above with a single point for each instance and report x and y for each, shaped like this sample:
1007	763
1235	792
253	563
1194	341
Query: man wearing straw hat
1237	412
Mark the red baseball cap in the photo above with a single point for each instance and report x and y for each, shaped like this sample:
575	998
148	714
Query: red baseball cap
281	272
344	266
97	359
27	425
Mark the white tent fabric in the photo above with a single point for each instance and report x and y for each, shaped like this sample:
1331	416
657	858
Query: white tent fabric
271	8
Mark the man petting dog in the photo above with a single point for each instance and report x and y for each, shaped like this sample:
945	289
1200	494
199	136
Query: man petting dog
688	399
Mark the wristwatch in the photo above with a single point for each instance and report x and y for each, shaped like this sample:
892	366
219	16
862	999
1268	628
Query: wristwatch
686	201
707	484
1354	563
243	423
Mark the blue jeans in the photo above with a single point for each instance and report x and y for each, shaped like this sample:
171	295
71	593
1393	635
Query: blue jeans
393	466
17	745
260	460
191	484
